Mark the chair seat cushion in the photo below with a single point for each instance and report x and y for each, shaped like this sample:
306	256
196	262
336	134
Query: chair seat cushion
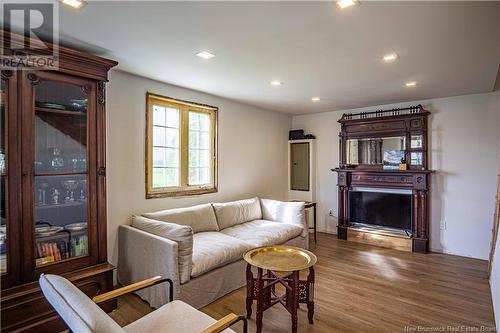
264	232
173	317
215	249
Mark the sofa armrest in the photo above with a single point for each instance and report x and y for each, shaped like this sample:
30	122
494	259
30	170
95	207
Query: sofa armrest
142	255
284	211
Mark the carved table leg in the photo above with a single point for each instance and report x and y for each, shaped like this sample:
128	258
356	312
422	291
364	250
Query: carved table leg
260	299
295	300
310	295
250	290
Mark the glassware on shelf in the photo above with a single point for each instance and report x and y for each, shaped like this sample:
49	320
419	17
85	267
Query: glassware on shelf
55	196
83	190
82	163
78	163
70	186
41	198
74	164
56	160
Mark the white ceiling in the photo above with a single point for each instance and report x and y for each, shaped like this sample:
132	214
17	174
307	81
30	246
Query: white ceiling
316	49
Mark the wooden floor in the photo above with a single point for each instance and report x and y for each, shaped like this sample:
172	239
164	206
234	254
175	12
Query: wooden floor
362	288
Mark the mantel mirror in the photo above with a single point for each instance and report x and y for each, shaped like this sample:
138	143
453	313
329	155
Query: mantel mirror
382	139
375	151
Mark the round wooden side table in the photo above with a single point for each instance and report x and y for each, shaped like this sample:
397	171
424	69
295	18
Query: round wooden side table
282	265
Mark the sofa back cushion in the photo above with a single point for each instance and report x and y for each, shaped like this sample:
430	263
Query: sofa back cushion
182	234
237	212
282	211
200	218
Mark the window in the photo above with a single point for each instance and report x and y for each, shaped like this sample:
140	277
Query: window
181	147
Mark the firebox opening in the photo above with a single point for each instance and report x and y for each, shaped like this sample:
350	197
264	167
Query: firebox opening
381	208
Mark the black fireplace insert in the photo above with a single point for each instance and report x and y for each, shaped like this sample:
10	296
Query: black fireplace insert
389	209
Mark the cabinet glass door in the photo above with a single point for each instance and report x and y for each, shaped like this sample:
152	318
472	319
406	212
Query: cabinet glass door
60	172
3	180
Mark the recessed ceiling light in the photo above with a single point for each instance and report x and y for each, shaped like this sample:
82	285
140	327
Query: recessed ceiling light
276	83
345	3
205	55
391	57
315	99
74	3
411	84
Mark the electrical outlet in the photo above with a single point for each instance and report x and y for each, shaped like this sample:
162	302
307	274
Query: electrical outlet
330	212
442	225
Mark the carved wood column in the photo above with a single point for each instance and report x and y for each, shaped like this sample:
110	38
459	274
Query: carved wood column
342	205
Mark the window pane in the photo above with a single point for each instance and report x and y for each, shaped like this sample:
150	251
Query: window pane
172	178
193	176
173	137
204	178
159	157
199	176
158	115
159	177
204	140
204	122
203	158
172	118
194	121
172	157
193	157
165	177
194	138
159	136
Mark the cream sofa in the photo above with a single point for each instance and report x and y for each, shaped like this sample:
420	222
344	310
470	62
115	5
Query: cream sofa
201	248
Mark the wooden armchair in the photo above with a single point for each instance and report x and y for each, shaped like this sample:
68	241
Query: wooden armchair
82	315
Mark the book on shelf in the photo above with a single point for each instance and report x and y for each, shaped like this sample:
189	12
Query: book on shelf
48	252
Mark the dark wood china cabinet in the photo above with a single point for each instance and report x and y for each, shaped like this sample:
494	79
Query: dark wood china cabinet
53	185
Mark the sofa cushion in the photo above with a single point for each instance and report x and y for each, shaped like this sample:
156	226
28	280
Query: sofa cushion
264	233
200	218
215	249
283	211
237	212
174	317
182	234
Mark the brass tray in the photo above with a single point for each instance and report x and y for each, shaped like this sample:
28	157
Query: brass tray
281	258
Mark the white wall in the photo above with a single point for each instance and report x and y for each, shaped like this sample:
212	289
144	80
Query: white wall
465	141
495	268
252	151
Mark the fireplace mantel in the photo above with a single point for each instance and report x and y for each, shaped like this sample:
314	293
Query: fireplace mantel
416	181
399	133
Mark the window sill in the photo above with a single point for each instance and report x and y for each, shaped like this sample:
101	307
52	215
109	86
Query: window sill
180	193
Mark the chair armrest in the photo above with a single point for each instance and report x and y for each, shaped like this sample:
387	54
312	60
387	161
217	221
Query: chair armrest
134	287
226	322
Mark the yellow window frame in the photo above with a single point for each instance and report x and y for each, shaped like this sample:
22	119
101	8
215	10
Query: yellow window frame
184	107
